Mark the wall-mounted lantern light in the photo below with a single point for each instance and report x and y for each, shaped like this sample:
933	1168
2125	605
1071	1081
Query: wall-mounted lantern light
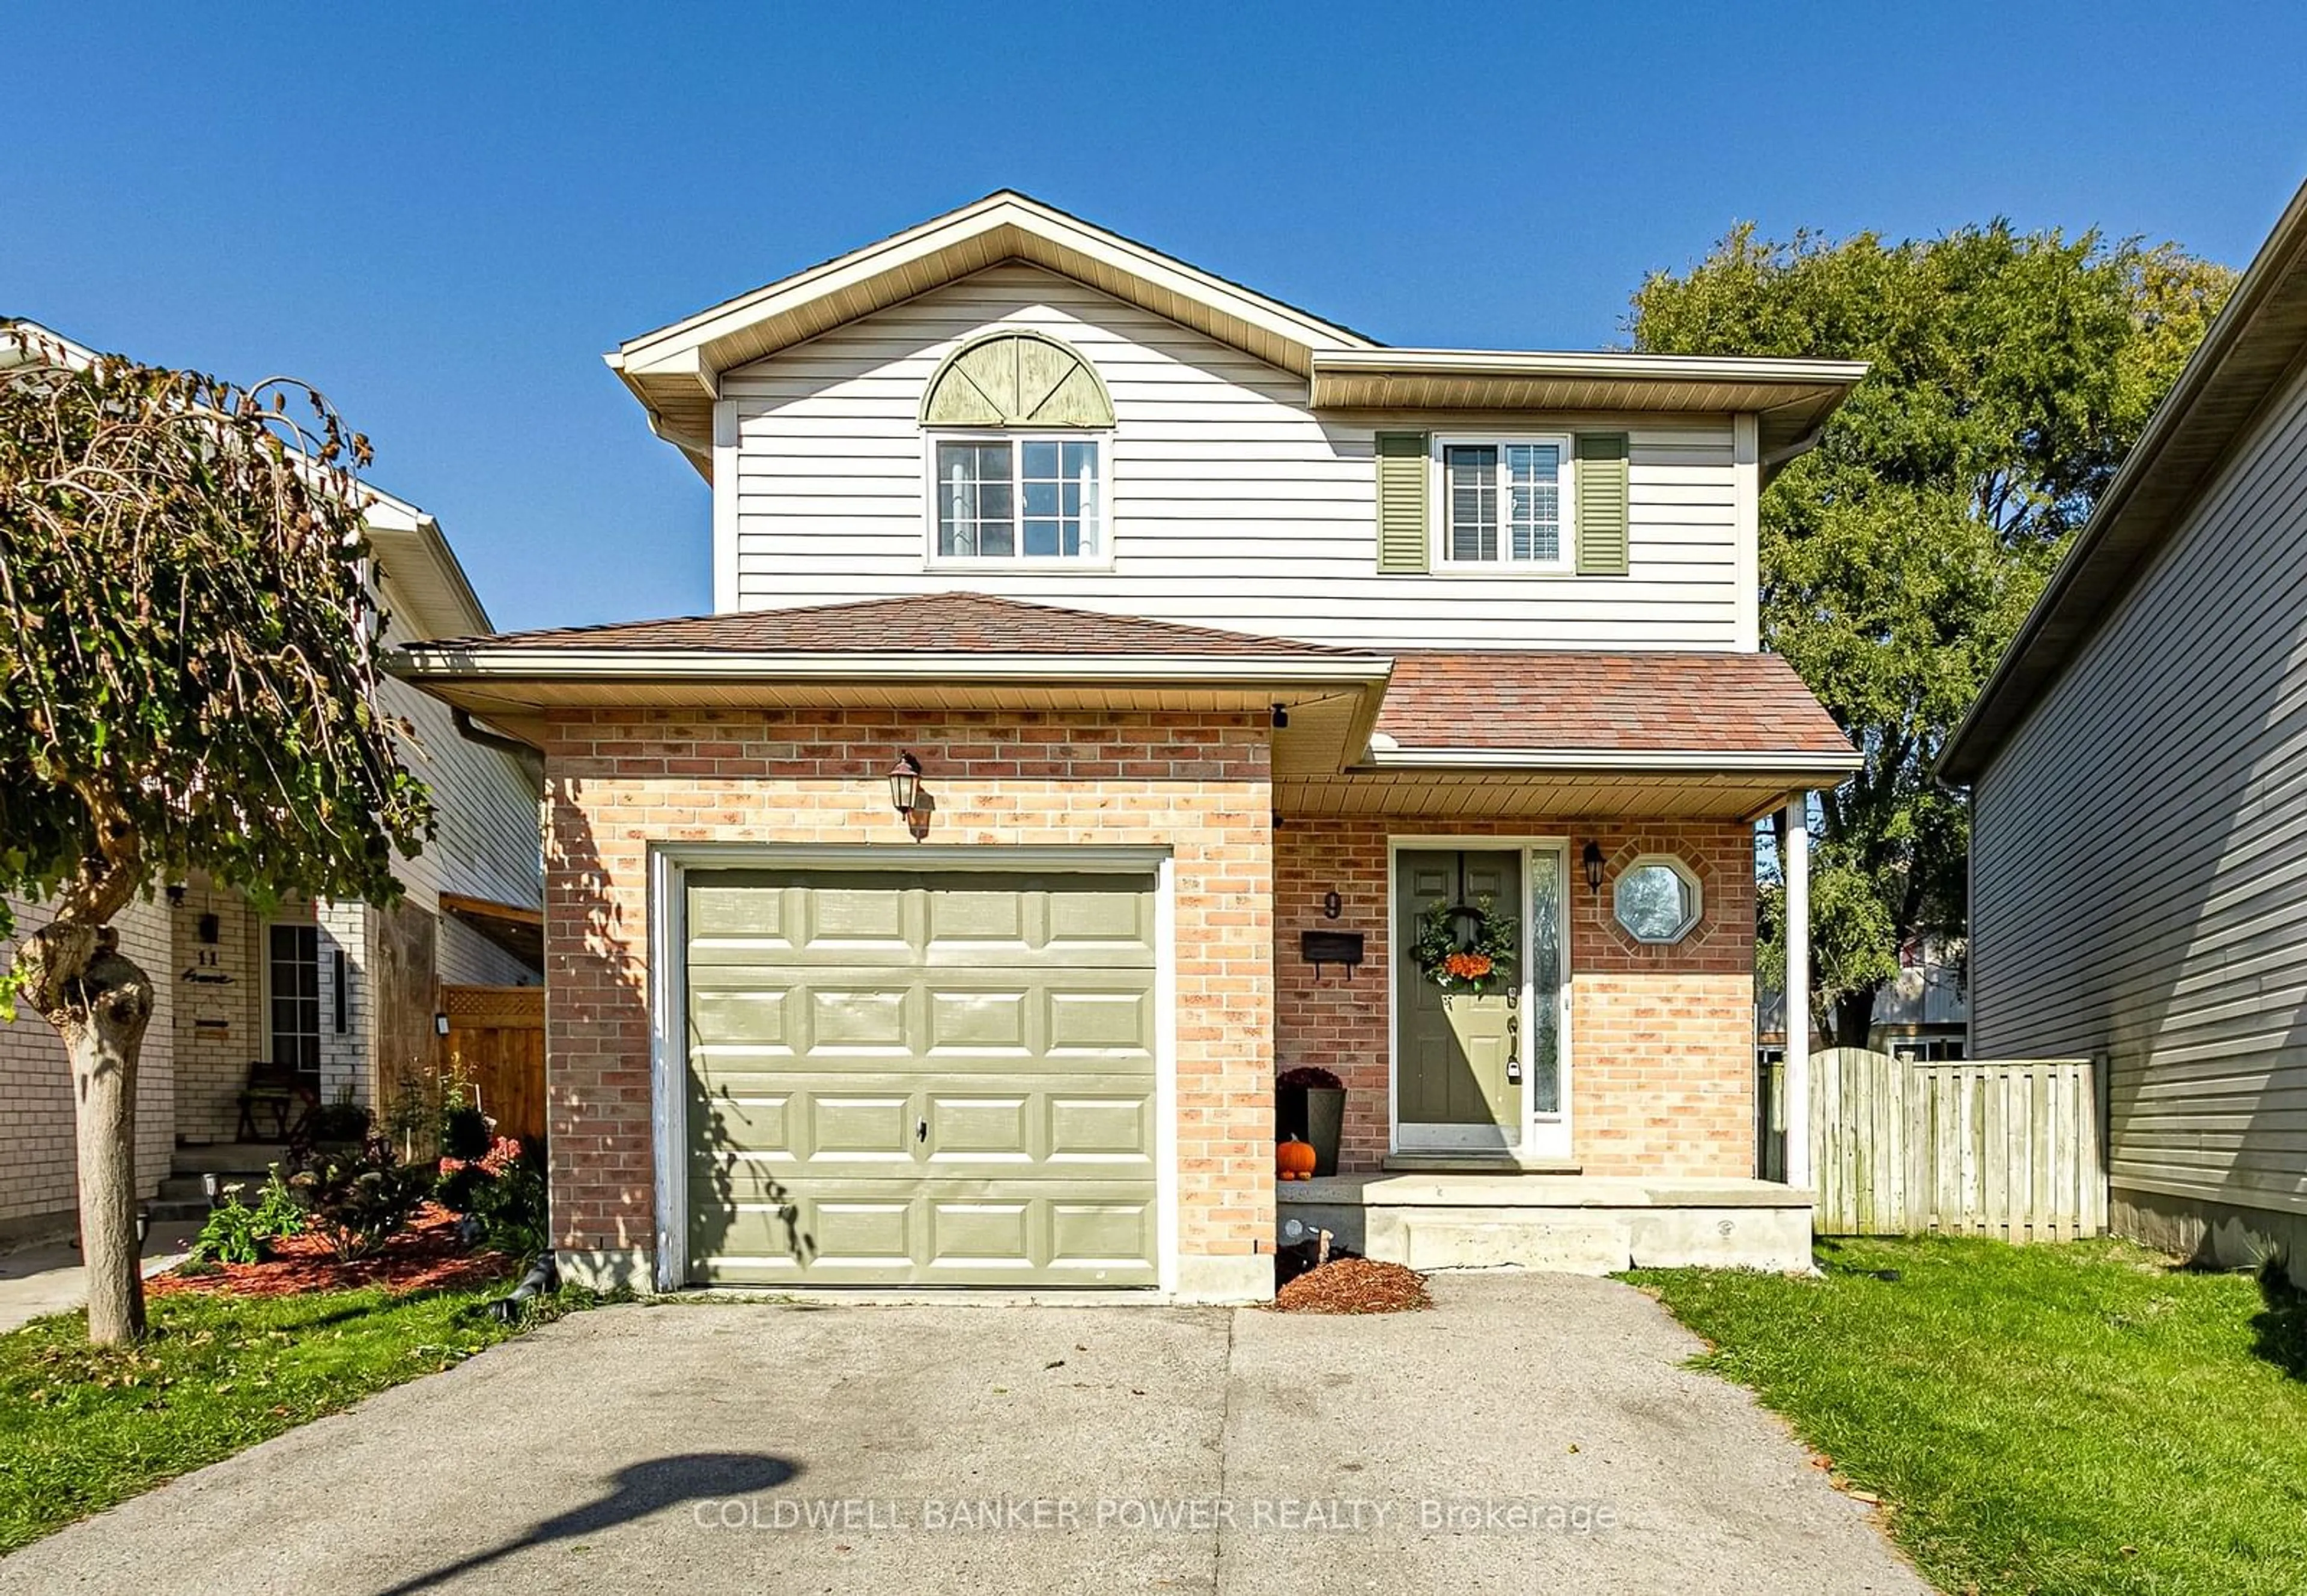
905	785
175	894
440	1025
1592	859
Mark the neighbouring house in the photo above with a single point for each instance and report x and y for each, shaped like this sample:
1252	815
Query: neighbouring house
1923	1013
1115	672
2138	772
339	999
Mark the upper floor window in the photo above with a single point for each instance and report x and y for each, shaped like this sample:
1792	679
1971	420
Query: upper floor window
1503	501
1023	498
1016	427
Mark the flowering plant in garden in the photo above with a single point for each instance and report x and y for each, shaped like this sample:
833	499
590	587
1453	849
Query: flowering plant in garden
502	1191
1466	948
492	1163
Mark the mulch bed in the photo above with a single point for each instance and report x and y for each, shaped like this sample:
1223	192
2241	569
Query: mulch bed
1355	1285
423	1257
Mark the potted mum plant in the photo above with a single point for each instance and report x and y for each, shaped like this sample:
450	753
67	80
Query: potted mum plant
1310	1103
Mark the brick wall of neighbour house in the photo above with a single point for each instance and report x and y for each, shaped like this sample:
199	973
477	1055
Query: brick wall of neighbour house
1662	1072
344	1055
618	780
38	1174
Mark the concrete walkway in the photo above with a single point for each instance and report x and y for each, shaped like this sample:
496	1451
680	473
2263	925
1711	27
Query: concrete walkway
37	1281
1534	1433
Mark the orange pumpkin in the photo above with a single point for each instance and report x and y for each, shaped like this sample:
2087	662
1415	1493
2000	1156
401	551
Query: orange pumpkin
1293	1160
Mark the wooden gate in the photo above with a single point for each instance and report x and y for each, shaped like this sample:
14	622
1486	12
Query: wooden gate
1968	1146
496	1044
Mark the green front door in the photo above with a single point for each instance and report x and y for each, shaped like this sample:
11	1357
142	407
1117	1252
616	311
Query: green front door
904	1079
1456	1081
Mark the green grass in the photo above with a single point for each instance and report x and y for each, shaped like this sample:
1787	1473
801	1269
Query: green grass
2058	1419
82	1428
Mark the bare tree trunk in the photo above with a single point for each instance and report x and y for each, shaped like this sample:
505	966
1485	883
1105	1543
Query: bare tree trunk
1854	1017
99	1003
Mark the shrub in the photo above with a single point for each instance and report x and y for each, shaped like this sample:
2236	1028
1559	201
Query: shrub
504	1193
1310	1075
229	1236
343	1120
464	1133
357	1199
236	1233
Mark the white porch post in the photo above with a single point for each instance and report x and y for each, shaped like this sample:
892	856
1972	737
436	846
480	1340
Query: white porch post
1797	865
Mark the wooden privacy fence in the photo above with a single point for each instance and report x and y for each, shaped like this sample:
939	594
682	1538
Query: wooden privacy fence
1968	1146
496	1042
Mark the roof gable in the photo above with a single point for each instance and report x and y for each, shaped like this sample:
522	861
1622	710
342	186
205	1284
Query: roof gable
675	371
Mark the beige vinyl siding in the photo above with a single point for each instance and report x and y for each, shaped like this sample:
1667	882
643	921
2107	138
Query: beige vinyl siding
488	845
1232	504
2139	872
465	958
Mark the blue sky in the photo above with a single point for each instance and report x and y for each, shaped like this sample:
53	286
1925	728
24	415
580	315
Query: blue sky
441	214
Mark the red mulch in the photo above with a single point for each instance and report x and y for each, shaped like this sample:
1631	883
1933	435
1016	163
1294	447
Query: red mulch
1355	1285
423	1257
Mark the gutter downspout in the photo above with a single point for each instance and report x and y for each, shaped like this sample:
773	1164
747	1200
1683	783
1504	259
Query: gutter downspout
472	730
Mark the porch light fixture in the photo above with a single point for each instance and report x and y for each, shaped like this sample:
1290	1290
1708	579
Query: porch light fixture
1592	858
905	785
1281	717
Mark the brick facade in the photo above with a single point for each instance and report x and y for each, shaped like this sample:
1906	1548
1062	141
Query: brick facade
619	780
1662	1060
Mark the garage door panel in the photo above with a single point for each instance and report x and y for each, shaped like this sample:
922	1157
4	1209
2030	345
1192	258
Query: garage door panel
758	1121
1102	1023
755	1018
1115	1129
908	1079
867	1019
995	1125
850	1232
1088	1236
983	1232
1118	916
993	1021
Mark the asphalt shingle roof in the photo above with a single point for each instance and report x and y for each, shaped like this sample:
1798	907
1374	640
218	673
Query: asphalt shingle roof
1630	701
930	623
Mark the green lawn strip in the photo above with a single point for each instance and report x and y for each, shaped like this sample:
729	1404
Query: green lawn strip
81	1428
2051	1418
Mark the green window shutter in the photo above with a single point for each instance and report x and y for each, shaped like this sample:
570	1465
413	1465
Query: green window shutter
1602	504
1402	501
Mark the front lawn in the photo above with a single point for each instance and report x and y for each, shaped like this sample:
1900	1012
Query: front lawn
82	1428
2052	1419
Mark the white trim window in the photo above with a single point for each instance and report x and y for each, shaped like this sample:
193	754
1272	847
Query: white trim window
1505	501
1018	498
292	995
1657	899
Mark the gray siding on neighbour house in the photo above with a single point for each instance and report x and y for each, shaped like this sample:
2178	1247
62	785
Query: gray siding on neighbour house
2139	871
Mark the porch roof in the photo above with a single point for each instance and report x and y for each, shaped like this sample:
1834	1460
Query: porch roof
1568	732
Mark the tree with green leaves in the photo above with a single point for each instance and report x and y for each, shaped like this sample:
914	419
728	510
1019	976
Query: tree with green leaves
188	682
2010	372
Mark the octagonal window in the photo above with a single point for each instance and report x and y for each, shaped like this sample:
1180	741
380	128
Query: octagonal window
1656	898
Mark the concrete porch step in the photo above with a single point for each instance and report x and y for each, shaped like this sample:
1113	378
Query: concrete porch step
1577	1223
1473	1163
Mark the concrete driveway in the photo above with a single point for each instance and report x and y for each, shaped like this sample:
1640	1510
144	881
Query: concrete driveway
1534	1433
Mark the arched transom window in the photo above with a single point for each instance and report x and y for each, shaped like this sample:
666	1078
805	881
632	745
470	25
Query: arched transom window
1017	426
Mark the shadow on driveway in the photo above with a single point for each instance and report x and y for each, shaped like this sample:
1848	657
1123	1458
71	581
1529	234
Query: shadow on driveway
640	1489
